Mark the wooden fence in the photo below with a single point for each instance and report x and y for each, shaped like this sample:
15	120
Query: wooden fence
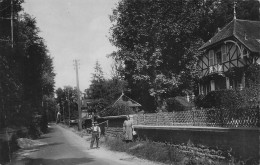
206	117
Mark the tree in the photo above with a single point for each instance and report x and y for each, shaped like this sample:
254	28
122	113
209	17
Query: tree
67	99
96	88
27	75
158	42
104	91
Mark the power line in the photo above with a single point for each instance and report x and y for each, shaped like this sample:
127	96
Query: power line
4	8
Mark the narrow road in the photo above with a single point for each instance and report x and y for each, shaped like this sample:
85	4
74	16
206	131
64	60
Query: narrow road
63	147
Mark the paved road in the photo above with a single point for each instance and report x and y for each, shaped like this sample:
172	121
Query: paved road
62	147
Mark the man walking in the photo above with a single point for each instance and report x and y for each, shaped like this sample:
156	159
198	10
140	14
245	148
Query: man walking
95	134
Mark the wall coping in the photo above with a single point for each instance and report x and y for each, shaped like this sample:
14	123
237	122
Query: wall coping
197	128
114	117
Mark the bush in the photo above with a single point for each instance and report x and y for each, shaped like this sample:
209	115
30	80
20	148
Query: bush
35	127
229	99
178	104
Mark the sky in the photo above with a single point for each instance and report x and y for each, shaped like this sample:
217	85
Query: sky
75	29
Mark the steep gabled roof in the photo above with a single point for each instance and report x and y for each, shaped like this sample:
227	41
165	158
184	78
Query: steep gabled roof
245	31
130	102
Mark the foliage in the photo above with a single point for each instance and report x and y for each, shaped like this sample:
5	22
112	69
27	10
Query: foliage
253	74
157	47
26	69
178	104
103	91
230	99
235	99
160	152
98	106
158	42
235	73
67	100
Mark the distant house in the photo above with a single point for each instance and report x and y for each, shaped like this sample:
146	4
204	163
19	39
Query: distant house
123	99
235	46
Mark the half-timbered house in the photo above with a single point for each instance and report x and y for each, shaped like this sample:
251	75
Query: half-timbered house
236	45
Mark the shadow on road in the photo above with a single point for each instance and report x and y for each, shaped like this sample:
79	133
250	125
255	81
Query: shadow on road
65	161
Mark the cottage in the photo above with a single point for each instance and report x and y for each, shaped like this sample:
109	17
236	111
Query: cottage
235	46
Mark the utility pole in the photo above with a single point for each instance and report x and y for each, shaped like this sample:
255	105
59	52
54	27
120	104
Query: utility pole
78	92
69	105
12	24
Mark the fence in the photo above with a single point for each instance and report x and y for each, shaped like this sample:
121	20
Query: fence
206	117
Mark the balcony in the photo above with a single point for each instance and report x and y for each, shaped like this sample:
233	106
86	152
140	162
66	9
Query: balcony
216	69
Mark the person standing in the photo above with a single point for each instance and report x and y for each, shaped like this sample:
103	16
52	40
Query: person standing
128	129
95	134
58	117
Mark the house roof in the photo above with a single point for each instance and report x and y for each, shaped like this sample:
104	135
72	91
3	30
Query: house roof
130	102
245	31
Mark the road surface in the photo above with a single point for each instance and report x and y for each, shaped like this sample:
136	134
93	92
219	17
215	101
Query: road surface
63	147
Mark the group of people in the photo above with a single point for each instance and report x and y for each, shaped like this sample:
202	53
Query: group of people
127	131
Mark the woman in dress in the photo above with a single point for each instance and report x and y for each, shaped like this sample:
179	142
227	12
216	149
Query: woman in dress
128	129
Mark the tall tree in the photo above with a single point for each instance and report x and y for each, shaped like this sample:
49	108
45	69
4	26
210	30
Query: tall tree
26	68
96	89
158	42
104	91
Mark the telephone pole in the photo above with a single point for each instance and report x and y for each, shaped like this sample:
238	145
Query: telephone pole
12	23
78	92
69	105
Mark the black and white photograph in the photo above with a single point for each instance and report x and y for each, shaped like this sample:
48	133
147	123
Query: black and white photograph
129	82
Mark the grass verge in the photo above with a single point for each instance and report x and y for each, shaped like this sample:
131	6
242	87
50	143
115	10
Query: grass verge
159	152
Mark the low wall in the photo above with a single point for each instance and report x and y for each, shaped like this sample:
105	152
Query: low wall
244	142
164	127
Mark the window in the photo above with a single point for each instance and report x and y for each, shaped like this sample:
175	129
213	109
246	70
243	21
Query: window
211	57
218	57
224	53
212	85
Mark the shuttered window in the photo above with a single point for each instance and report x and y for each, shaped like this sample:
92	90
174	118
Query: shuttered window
211	57
224	53
212	85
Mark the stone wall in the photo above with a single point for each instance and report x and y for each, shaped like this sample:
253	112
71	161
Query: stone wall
243	142
179	129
